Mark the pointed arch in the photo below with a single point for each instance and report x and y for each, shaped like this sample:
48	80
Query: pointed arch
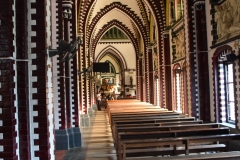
122	27
216	83
115	54
117	5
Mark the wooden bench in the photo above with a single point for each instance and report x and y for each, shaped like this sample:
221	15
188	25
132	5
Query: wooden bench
153	124
133	136
154	120
176	146
156	124
134	111
139	114
142	121
148	116
235	155
161	123
162	128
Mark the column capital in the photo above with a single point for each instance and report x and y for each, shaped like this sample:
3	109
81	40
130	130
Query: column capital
166	32
198	2
67	8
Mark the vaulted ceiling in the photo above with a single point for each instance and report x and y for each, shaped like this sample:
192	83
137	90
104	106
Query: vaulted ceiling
132	17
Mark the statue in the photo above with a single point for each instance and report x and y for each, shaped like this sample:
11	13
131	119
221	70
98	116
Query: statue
131	81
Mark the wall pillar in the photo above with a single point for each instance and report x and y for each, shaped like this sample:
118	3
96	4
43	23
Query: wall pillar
150	76
23	82
8	110
168	71
75	88
202	58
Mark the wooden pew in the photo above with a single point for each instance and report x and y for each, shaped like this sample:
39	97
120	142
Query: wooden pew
162	128
150	117
168	127
134	136
134	114
186	145
142	121
140	114
155	124
115	126
161	123
137	121
235	155
135	111
146	116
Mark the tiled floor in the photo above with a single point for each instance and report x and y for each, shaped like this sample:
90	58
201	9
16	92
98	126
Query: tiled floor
97	141
60	154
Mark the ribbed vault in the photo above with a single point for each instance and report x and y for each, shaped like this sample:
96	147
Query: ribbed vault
122	27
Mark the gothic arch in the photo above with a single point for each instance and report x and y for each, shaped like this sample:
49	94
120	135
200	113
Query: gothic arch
115	54
217	53
125	10
120	26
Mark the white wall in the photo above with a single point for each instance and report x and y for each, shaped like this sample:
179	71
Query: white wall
126	49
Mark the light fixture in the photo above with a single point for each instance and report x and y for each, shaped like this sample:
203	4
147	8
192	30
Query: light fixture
66	50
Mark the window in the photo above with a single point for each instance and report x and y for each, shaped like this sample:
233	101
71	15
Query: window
177	88
226	86
178	91
230	99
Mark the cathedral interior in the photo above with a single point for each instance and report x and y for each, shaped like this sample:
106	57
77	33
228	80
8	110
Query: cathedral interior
179	55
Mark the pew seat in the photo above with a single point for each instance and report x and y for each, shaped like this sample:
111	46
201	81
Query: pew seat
128	147
235	155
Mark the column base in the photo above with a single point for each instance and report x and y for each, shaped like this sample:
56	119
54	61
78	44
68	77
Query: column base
62	139
77	137
70	137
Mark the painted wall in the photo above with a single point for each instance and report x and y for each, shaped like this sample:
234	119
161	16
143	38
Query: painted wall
126	49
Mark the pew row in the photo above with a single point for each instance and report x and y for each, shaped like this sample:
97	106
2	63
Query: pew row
135	136
234	155
162	128
146	116
175	146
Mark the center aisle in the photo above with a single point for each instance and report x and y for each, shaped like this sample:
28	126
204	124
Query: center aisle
97	141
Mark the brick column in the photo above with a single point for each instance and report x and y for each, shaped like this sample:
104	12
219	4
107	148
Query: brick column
150	76
67	88
23	82
8	114
141	85
75	87
202	57
41	107
62	141
167	68
146	74
62	136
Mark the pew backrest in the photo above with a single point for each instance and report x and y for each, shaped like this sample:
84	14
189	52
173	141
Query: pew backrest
186	141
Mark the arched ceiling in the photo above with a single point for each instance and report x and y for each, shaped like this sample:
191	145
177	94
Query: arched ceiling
108	17
134	14
94	14
132	17
133	4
